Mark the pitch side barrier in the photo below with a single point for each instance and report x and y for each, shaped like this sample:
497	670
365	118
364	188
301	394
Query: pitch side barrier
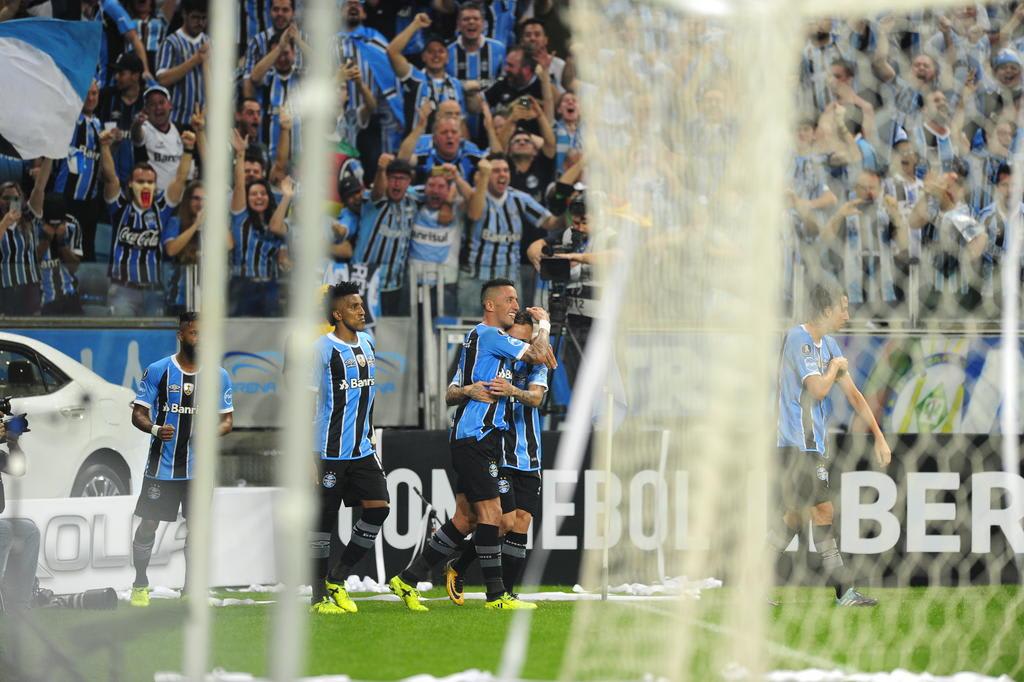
945	380
944	516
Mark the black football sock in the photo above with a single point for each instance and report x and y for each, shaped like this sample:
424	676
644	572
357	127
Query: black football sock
779	537
513	558
488	551
441	545
142	551
831	559
465	559
320	549
364	533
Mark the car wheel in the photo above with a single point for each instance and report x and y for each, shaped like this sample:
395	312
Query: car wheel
99	480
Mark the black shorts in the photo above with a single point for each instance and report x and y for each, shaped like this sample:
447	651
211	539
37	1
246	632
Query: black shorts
519	490
159	499
803	479
350	481
476	465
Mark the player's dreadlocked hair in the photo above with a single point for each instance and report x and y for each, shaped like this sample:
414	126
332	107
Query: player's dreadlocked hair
822	297
339	291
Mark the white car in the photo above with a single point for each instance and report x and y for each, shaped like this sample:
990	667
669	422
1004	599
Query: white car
81	441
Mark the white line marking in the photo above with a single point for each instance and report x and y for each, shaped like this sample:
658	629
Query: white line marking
773	647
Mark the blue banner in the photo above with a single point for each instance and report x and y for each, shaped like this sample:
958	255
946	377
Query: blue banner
118	355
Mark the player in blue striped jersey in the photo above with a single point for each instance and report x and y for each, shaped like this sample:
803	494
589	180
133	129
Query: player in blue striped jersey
497	228
519	473
477	445
385	226
180	63
165	406
432	82
810	365
139	215
348	466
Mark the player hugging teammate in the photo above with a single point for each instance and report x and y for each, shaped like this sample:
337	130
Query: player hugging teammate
479	442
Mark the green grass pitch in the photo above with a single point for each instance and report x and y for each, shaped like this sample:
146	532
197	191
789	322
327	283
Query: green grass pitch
953	629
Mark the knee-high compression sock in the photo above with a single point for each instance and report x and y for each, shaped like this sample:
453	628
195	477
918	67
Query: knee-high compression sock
513	558
142	550
320	550
466	558
441	545
779	537
488	551
831	559
364	533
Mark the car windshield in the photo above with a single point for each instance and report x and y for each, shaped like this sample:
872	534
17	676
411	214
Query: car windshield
20	375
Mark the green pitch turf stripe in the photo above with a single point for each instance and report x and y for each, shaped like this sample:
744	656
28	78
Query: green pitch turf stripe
774	647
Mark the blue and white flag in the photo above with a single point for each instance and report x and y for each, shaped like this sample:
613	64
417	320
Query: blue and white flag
48	66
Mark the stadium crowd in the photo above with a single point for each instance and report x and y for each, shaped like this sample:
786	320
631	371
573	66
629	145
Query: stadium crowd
899	183
901	175
458	146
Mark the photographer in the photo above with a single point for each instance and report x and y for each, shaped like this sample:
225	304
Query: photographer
564	261
19	538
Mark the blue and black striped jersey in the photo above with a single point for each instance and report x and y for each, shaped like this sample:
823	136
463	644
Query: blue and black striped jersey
18	262
253	17
493	241
77	177
385	227
178	48
116	23
523	450
256	248
501	19
259	46
487	352
483	65
113	109
466	158
55	279
344	376
274	94
170	395
418	86
138	239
